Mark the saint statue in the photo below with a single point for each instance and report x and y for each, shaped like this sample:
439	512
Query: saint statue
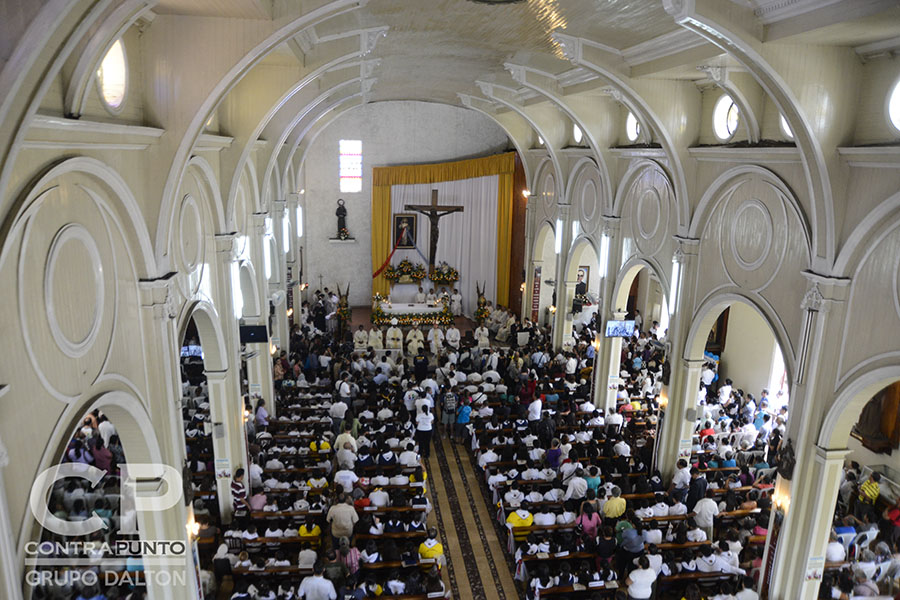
341	213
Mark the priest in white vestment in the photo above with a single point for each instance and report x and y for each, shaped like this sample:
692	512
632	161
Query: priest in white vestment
420	296
376	338
435	339
394	339
456	302
415	340
360	339
482	336
452	337
505	327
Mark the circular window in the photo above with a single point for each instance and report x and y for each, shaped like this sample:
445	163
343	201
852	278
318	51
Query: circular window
112	76
786	128
577	135
540	141
632	127
725	118
894	106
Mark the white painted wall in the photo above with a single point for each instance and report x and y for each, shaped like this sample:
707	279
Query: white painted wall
392	133
749	349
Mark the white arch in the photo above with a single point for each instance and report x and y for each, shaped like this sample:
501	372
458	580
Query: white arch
859	240
209	328
626	275
849	400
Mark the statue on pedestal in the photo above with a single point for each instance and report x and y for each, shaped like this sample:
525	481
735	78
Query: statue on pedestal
341	213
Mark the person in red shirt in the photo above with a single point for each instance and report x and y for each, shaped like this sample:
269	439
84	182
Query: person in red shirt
892	514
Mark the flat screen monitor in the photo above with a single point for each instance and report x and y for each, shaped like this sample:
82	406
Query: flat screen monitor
254	334
619	328
191	350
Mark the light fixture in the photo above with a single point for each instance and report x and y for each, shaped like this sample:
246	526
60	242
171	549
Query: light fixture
303	286
290	312
596	343
272	349
303	191
299	221
193	527
604	254
552	309
526	194
237	297
522	287
286	233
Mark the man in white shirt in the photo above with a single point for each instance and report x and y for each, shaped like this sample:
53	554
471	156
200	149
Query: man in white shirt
346	479
705	512
316	587
379	498
747	592
577	488
621	448
681	480
534	411
834	551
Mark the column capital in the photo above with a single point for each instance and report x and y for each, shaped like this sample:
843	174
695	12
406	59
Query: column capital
158	295
226	245
609	225
258	222
215	376
825	456
693	363
564	210
685	248
278	207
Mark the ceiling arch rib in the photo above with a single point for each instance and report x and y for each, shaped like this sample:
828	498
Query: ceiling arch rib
93	48
199	84
585	53
505	96
710	22
276	103
527	77
340	105
519	131
292	133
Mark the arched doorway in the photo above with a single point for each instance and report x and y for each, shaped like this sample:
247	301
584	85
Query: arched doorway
586	272
212	409
105	462
544	274
642	289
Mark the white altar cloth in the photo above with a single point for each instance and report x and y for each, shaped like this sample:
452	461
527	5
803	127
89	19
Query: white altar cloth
410	308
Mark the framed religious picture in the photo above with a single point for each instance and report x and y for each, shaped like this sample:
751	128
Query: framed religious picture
715	341
405	230
582	279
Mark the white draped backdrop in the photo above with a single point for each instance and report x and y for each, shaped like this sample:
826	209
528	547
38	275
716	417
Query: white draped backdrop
467	241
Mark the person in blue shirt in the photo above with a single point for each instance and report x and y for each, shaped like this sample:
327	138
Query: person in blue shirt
729	461
463	413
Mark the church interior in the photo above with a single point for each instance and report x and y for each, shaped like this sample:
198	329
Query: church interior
469	299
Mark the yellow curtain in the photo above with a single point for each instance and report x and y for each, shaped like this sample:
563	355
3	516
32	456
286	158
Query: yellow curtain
381	236
504	235
503	165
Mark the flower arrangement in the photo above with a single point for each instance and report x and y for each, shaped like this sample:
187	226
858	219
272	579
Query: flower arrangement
406	270
444	318
444	274
482	312
378	315
343	311
343	234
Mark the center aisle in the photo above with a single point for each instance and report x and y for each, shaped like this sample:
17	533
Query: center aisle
477	564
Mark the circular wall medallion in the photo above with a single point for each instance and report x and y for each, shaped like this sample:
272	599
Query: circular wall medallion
74	291
190	228
590	201
751	234
649	209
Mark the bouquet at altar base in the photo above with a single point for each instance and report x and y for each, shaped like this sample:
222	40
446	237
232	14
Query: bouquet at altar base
443	318
482	312
405	272
444	274
378	315
343	311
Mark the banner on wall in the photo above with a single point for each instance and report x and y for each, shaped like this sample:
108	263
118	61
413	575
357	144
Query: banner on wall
536	295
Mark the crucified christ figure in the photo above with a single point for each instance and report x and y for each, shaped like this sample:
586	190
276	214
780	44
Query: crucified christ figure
434	212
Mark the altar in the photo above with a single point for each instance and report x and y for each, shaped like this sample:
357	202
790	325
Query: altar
410	313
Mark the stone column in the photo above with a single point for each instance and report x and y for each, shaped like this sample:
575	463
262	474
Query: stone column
160	309
606	310
278	283
226	403
614	365
677	427
684	382
808	498
259	368
563	311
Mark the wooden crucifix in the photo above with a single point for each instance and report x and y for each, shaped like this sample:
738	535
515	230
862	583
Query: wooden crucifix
434	213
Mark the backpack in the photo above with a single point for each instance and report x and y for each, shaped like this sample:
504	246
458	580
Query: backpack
450	402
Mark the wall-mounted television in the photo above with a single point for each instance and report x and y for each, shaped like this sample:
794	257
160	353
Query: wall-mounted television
619	328
254	334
